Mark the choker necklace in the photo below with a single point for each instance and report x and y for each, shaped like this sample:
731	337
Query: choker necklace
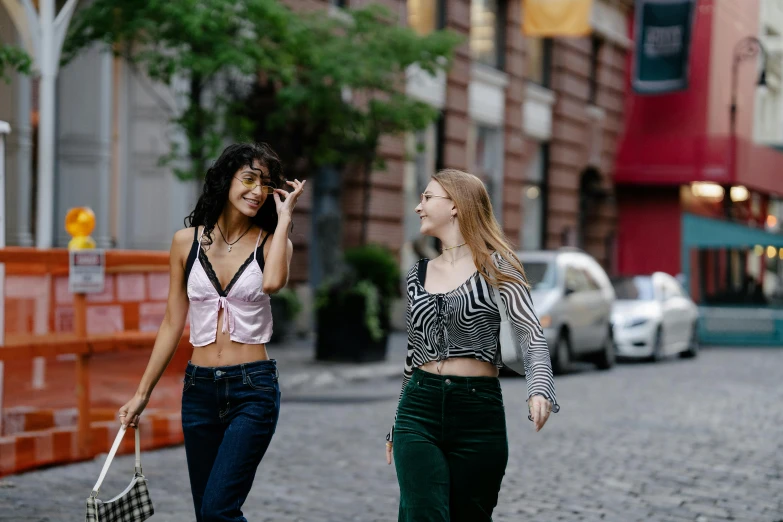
452	248
240	237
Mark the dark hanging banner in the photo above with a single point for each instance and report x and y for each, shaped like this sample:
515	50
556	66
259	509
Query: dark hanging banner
663	39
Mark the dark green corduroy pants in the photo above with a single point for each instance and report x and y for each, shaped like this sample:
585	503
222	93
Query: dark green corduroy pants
450	448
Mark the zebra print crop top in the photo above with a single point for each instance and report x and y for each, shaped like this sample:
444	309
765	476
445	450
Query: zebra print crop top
465	322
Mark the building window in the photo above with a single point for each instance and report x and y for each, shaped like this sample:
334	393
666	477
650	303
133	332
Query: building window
539	61
595	51
534	194
488	163
426	16
486	32
338	3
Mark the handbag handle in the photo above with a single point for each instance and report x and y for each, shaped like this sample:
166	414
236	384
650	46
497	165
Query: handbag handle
113	452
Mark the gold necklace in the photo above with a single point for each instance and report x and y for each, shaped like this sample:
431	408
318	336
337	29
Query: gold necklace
452	248
458	258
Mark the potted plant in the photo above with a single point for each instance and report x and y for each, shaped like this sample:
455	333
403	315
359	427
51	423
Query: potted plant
353	308
285	307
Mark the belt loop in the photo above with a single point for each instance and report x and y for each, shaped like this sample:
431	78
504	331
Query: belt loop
244	373
277	373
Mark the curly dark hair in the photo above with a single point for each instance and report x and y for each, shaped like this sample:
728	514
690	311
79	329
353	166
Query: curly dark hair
218	180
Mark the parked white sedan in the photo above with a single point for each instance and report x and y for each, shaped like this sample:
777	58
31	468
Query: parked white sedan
653	317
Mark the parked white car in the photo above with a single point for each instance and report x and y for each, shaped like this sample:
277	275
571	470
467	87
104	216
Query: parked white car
573	297
653	317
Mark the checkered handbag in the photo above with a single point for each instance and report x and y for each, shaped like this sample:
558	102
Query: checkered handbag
133	504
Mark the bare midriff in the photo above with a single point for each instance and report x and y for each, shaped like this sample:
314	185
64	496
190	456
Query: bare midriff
225	352
462	367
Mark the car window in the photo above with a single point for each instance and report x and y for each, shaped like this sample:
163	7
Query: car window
575	279
634	288
540	275
592	284
671	288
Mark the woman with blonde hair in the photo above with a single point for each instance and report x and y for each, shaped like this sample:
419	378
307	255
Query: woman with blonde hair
449	436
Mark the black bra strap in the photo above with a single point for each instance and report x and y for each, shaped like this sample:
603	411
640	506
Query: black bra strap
422	270
260	252
192	255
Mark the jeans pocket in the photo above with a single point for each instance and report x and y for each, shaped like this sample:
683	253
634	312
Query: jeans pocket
261	381
414	388
187	382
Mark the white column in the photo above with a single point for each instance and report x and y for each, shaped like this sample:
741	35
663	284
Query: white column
103	210
48	76
21	146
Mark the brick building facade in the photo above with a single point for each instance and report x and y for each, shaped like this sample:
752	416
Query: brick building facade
537	119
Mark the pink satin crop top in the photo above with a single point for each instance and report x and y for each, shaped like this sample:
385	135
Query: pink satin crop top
247	313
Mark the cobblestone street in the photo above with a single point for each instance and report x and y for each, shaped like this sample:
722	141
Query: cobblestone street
698	440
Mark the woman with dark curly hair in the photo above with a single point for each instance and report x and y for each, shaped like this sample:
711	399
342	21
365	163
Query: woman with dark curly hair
233	255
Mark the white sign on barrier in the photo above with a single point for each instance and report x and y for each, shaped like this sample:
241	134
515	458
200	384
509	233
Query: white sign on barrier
86	271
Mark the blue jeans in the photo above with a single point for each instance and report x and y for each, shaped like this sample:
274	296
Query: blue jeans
229	415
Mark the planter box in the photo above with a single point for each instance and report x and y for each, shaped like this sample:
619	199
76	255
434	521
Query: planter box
343	336
281	327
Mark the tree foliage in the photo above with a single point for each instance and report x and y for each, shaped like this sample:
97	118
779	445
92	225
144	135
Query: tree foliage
14	59
321	88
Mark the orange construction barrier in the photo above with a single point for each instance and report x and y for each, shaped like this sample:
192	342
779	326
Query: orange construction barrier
95	347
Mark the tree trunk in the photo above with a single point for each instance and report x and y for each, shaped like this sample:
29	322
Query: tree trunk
368	162
327	240
196	138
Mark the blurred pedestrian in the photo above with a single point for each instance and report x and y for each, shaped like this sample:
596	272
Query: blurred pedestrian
449	437
233	255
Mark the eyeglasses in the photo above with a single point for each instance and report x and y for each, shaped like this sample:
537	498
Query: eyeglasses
250	184
426	197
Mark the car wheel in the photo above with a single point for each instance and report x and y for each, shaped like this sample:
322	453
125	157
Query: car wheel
606	357
562	357
693	344
657	353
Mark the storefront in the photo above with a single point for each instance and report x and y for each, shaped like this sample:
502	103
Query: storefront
734	273
698	181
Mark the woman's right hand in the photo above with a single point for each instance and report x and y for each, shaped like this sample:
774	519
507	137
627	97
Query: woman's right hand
389	448
131	411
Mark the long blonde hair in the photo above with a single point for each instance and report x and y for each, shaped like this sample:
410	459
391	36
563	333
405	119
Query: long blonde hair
478	225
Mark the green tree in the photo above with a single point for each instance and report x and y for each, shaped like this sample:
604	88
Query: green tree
346	93
14	59
199	43
255	68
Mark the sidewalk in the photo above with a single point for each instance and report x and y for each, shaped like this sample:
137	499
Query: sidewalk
39	426
301	373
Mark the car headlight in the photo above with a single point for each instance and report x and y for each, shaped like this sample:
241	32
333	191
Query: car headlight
546	321
636	321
